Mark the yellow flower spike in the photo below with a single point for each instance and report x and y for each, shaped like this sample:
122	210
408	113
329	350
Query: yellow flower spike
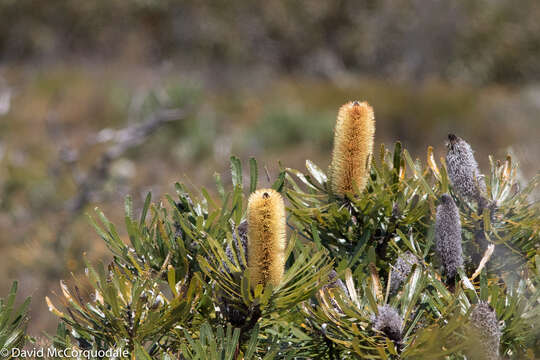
266	237
353	146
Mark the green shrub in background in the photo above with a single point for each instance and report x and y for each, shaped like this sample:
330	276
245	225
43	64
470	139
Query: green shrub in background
481	41
280	127
363	273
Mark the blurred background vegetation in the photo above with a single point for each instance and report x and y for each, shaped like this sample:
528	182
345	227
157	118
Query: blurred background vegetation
80	80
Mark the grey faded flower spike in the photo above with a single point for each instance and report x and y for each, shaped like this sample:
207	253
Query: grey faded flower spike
448	236
389	322
485	330
463	170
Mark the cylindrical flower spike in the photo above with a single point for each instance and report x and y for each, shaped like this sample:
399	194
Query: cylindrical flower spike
485	328
353	146
389	322
463	170
266	237
448	236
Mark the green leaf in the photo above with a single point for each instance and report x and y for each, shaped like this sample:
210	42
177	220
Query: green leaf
253	175
236	171
145	208
278	184
316	172
219	185
128	207
252	344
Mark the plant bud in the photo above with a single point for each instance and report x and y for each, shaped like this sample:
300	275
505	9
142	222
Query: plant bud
266	237
448	236
401	270
389	322
485	330
353	146
463	170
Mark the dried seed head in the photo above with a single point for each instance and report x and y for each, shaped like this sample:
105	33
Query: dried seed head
266	236
485	329
463	169
353	146
238	242
389	322
401	270
448	236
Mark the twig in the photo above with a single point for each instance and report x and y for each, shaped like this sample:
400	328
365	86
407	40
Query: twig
483	262
124	139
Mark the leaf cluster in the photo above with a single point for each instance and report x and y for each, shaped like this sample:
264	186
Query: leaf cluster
13	322
179	287
395	214
172	290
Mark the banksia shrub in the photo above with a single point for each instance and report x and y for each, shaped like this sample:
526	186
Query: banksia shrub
448	236
463	169
485	332
179	284
396	217
266	237
353	146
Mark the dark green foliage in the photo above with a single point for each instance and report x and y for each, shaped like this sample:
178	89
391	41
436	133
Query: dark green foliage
363	224
180	288
396	214
173	285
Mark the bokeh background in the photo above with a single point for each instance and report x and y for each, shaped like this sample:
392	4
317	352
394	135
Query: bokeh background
104	98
